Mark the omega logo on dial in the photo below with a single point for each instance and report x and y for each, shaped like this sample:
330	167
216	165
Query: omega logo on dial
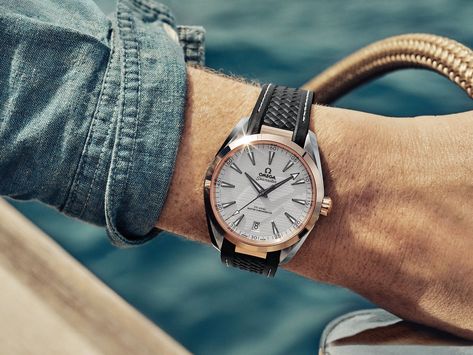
263	192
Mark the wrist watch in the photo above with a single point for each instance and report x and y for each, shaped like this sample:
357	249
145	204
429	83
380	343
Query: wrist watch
264	190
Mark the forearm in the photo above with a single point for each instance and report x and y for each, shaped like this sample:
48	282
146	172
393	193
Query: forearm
89	108
384	176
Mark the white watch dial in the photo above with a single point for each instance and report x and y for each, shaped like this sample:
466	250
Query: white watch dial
263	192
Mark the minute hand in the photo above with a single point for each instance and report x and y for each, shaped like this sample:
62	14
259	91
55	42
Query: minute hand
278	184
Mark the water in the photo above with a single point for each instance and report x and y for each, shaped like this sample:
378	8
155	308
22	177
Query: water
181	285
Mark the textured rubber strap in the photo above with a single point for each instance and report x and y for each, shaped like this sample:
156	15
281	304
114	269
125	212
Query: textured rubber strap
284	108
266	267
278	107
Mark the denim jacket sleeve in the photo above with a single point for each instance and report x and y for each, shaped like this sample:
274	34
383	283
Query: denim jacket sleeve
91	108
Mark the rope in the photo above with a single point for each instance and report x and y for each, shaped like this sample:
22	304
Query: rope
442	55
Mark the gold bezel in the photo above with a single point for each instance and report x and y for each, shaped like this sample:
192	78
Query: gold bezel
229	150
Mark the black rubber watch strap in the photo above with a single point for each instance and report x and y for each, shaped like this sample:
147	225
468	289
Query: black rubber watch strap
278	107
266	267
284	108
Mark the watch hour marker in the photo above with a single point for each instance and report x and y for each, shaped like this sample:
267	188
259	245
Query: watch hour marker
237	221
275	229
302	202
251	155
227	184
290	218
288	165
228	204
271	157
236	168
299	182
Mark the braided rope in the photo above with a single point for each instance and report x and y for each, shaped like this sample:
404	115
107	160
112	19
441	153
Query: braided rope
442	55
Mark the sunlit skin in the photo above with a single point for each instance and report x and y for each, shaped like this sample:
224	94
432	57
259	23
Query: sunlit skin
401	229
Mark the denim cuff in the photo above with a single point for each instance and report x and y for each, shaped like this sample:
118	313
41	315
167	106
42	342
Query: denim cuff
127	163
192	39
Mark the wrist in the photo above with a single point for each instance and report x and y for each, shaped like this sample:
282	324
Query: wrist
215	104
355	151
350	144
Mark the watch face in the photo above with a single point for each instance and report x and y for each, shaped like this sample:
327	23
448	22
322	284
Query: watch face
263	193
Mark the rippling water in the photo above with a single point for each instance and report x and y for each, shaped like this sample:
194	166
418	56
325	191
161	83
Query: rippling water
181	285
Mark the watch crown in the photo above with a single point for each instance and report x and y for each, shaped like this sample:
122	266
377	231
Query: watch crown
326	206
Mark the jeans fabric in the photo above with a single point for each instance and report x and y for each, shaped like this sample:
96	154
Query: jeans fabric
91	108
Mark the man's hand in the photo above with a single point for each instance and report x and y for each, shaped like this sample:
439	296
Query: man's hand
401	232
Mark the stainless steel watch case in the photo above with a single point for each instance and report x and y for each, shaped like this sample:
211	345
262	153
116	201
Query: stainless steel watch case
217	233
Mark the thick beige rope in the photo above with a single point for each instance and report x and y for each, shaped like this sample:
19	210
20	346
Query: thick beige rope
440	54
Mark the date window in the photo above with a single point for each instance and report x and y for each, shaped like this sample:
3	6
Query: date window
255	226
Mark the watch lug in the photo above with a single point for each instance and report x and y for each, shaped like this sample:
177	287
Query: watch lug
311	146
238	131
215	231
288	253
216	236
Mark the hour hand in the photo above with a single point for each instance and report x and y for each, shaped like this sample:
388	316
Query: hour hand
255	184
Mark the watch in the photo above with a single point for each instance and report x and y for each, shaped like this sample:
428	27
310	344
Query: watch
264	190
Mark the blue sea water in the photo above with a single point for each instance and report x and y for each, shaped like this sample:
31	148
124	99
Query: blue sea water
181	285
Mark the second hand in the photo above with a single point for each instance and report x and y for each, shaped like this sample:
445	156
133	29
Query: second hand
238	210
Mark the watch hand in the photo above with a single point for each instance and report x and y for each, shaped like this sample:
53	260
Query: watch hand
265	193
239	210
262	193
278	184
255	184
